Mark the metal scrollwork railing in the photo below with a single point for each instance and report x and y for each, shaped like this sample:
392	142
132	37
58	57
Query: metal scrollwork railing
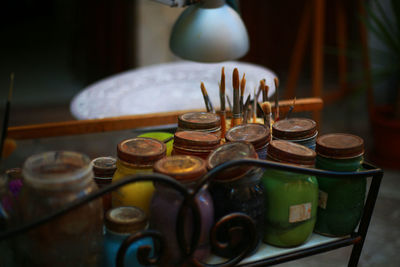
238	228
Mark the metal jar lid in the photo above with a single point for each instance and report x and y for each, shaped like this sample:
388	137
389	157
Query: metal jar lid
289	152
125	219
104	167
181	167
199	121
231	151
141	150
295	128
196	140
256	134
340	146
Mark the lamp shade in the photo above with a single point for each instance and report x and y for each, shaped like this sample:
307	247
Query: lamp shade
210	31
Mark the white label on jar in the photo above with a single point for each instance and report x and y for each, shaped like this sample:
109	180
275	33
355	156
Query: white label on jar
322	199
298	213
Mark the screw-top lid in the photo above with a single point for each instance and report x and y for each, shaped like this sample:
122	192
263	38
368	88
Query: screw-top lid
125	220
199	121
295	128
181	167
256	134
340	146
289	152
141	150
104	166
198	140
231	151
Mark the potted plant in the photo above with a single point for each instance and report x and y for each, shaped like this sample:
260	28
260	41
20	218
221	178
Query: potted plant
383	78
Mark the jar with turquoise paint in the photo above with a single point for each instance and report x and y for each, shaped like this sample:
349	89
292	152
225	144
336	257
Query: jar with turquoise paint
341	201
291	199
297	130
120	223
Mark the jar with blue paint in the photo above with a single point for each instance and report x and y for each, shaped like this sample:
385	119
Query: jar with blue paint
120	223
297	130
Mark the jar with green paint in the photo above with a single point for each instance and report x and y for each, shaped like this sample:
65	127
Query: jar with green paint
291	199
341	200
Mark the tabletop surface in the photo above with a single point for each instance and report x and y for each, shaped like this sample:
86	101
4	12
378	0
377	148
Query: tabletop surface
162	88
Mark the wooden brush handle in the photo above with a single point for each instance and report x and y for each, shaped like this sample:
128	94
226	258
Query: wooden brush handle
222	115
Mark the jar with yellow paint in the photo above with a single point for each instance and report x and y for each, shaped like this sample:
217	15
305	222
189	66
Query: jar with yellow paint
136	155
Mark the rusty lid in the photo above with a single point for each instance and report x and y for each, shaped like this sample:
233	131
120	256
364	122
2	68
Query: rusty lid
231	151
289	152
141	150
125	219
199	121
198	140
256	134
104	166
295	128
340	146
181	167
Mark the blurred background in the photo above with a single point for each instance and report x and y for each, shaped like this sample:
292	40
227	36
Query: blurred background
57	48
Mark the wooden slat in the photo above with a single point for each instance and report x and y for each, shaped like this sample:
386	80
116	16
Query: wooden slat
129	122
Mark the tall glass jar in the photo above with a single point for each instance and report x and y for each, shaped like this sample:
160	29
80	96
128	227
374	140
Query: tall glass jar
120	223
341	201
194	143
257	134
291	199
135	156
237	189
51	181
104	169
297	130
200	121
167	201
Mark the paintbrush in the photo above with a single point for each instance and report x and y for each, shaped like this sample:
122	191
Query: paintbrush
229	102
276	117
291	109
222	113
262	86
242	88
236	98
207	100
266	107
260	89
6	115
254	106
246	109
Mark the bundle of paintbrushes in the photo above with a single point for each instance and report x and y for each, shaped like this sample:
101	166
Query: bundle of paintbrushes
241	111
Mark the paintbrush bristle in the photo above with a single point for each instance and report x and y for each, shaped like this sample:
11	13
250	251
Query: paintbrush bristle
222	85
242	85
235	79
266	107
276	81
203	88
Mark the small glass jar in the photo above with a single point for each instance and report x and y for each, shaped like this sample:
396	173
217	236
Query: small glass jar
104	169
167	201
200	121
341	200
237	189
120	223
291	199
161	136
297	130
194	143
257	134
51	181
136	156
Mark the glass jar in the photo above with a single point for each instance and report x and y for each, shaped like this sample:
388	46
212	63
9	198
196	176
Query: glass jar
194	143
256	134
291	199
297	130
237	189
120	223
51	181
341	201
200	121
136	156
104	169
161	136
167	201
